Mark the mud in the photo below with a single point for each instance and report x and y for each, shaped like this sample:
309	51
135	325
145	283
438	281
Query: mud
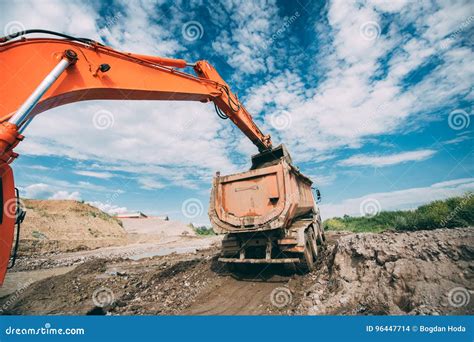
358	274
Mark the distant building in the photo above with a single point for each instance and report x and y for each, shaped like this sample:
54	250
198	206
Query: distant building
137	214
163	217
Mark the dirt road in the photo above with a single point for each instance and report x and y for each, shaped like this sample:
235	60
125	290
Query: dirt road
388	273
237	295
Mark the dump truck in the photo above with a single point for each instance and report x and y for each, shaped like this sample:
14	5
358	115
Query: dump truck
268	214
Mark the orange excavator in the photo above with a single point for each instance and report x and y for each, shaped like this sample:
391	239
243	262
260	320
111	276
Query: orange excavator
273	199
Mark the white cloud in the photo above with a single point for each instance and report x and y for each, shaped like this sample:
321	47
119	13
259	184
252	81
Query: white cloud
400	199
252	24
387	160
150	183
360	97
76	18
186	138
137	28
46	191
94	174
39	190
38	167
320	180
459	139
64	195
451	183
59	184
110	209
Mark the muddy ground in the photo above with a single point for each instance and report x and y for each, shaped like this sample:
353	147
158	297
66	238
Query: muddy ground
425	272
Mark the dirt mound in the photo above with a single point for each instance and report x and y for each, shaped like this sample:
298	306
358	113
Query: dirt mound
425	272
153	226
161	285
66	225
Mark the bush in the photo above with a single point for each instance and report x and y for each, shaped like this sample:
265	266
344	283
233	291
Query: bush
203	230
449	213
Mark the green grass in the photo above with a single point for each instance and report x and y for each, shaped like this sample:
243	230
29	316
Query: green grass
202	230
450	213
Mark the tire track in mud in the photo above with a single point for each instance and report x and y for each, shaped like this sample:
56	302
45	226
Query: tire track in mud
237	297
251	294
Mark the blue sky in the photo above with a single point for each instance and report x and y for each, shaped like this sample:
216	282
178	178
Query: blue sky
372	98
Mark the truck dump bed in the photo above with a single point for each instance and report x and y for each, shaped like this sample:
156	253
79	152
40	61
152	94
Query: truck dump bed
262	199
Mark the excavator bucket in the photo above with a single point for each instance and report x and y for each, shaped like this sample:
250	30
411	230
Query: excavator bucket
7	217
271	157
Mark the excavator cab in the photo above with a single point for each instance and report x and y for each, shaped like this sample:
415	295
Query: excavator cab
11	215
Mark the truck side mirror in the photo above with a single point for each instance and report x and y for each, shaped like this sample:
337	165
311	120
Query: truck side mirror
318	195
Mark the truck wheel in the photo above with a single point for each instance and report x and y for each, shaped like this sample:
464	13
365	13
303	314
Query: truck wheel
314	244
308	255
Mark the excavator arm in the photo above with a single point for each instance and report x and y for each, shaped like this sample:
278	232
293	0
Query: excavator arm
42	73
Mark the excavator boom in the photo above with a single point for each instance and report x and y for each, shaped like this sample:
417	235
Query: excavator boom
42	73
99	72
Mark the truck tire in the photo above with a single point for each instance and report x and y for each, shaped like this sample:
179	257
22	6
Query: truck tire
320	237
314	244
307	262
